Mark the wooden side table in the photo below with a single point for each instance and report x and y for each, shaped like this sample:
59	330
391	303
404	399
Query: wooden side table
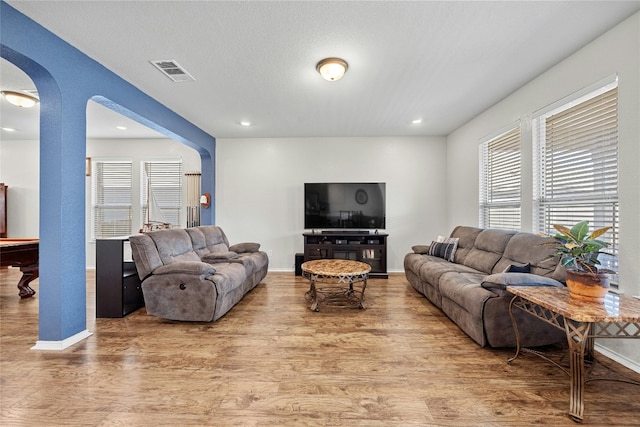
342	273
617	317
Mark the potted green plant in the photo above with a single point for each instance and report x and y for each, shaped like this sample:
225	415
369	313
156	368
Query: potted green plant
578	251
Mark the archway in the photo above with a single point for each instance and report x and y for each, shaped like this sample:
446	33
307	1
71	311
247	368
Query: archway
66	79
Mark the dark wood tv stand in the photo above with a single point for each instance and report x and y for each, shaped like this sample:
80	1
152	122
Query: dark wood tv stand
351	245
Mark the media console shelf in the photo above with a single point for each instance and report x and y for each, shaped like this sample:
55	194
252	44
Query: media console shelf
354	246
118	288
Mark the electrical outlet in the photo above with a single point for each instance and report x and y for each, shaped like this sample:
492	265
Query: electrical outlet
270	253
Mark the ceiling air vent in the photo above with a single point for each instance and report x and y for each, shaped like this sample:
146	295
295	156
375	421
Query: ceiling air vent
173	70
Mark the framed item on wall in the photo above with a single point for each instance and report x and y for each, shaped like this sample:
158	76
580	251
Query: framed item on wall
361	197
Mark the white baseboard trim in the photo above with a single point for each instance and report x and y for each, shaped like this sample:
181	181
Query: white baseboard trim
61	345
623	360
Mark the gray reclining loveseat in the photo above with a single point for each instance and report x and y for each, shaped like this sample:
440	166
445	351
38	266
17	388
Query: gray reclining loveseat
193	274
470	286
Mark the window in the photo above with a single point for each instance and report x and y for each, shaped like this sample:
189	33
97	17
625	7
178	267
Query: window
161	184
111	205
576	166
500	181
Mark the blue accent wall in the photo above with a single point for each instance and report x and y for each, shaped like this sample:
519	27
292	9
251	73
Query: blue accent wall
66	79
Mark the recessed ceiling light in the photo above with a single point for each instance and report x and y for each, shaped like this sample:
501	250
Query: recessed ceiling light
245	123
121	127
416	121
9	129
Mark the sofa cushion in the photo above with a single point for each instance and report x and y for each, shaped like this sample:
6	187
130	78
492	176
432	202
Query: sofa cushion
430	272
480	260
413	261
145	254
488	249
228	277
230	282
208	239
434	267
214	235
466	239
186	267
254	261
464	289
535	250
463	302
173	245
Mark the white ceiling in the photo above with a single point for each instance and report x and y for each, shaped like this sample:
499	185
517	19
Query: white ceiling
442	61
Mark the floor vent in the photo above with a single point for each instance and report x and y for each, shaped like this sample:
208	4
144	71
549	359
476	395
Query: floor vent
173	70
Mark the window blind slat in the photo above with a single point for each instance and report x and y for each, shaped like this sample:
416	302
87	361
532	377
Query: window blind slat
112	195
500	181
577	168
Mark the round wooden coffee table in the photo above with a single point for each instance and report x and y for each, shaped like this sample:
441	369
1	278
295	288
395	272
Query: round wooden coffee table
341	273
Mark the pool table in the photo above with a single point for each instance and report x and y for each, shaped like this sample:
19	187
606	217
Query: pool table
21	253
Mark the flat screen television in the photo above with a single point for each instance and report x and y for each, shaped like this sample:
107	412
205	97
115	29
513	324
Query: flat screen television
345	205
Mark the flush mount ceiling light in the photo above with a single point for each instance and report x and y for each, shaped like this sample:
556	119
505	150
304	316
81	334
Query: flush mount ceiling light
332	69
20	99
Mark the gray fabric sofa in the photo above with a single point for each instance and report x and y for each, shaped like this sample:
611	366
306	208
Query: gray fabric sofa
194	274
470	288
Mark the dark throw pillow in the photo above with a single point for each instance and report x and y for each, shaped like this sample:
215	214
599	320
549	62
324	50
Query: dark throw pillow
442	250
518	268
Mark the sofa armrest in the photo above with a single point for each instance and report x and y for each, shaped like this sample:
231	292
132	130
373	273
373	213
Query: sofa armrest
241	248
420	249
186	267
218	257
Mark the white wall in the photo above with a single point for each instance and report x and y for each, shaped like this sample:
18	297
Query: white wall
20	170
259	188
615	52
136	150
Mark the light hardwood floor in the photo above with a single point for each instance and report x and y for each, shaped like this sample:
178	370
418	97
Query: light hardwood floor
272	362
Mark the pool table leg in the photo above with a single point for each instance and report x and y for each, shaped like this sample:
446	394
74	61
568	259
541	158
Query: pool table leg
29	273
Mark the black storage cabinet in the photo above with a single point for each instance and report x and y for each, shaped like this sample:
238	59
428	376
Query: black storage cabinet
118	287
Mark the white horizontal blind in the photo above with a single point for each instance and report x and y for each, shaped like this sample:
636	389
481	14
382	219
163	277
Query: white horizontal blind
112	197
577	168
500	181
161	182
